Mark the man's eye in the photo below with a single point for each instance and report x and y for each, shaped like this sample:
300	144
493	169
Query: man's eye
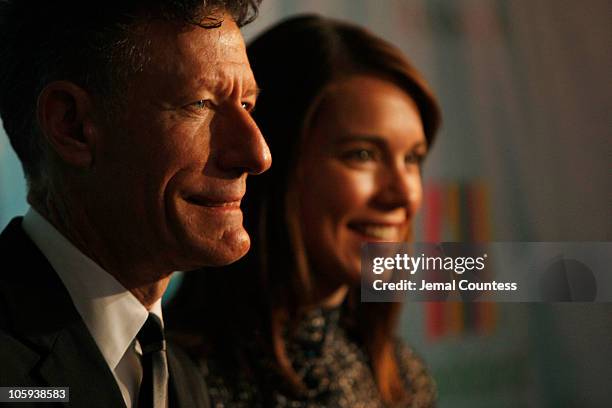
203	104
247	106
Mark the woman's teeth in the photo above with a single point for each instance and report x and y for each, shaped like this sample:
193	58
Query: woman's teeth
382	232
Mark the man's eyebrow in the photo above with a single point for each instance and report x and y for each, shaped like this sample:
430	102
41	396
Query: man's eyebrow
252	91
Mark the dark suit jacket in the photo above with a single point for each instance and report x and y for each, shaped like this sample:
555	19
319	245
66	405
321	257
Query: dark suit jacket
44	341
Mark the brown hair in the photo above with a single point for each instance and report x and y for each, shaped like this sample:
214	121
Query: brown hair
293	63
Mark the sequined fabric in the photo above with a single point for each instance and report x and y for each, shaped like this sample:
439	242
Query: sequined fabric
334	369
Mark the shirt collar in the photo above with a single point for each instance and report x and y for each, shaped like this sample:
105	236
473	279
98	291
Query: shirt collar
112	313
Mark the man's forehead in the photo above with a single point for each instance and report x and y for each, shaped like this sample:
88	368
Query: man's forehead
211	57
226	39
223	74
168	41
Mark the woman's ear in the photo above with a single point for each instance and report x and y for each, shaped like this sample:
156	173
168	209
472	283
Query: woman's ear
64	113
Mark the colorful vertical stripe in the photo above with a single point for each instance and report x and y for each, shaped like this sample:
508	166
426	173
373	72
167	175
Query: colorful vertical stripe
458	212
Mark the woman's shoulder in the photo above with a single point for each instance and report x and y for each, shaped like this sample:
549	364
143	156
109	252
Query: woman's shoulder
416	376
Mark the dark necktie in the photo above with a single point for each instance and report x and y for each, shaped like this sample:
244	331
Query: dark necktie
154	387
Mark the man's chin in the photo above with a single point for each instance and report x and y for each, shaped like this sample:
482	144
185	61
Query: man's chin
206	239
229	248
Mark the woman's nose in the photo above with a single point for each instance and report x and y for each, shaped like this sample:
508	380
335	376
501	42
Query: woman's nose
399	187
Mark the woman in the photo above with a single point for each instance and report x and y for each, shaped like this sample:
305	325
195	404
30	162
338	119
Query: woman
348	121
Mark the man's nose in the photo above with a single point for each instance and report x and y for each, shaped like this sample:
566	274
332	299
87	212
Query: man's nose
243	148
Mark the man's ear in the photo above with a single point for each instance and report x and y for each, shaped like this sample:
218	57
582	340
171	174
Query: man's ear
64	112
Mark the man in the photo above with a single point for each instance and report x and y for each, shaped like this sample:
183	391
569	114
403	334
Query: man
131	120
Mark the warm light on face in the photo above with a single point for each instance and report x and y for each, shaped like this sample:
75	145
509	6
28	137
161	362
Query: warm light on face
173	167
359	177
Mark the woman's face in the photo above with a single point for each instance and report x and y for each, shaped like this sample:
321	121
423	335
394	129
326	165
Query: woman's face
359	177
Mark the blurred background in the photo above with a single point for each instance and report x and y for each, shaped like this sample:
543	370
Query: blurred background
524	155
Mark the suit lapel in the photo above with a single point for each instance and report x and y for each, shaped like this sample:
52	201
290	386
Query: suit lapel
75	360
61	350
56	348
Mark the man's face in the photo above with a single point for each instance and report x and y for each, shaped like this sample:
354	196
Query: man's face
170	170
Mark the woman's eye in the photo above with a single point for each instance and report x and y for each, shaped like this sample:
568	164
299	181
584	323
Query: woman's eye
360	155
414	158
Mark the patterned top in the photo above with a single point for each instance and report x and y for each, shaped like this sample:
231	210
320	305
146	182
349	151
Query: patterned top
332	366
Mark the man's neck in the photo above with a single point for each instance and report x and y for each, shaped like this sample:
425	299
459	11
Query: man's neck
145	283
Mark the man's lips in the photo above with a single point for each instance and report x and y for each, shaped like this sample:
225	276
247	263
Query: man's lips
220	203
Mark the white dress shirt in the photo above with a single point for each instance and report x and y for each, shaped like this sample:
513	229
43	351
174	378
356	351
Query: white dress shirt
112	313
